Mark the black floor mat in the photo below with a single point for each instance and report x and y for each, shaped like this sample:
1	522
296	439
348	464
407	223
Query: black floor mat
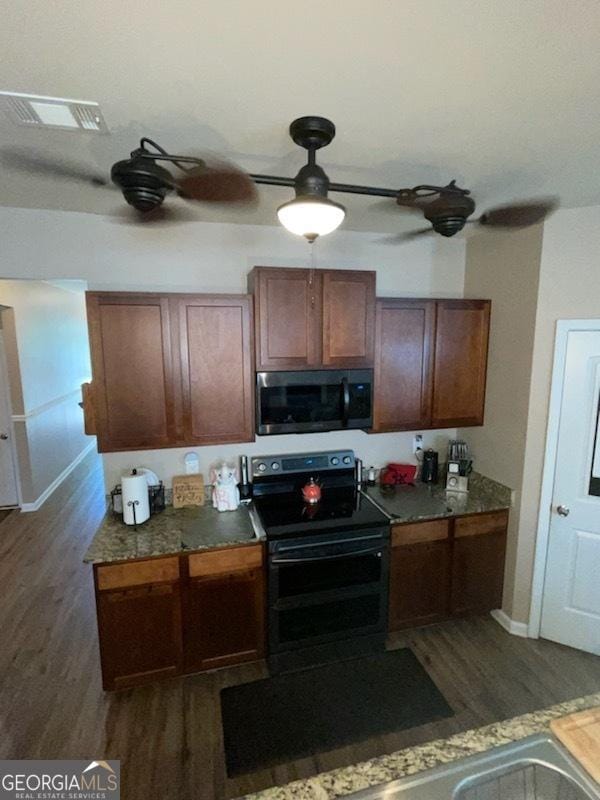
296	714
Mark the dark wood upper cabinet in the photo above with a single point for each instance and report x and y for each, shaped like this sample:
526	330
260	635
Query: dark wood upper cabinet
461	346
404	347
215	349
132	365
171	370
310	319
287	304
348	318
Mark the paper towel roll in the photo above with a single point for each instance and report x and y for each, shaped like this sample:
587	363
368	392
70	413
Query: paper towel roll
135	496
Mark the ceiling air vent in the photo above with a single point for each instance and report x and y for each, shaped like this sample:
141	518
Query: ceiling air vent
35	111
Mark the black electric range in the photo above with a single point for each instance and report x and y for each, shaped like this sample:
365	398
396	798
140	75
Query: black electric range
328	562
340	508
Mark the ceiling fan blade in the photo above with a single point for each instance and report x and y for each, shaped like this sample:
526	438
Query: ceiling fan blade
407	236
22	160
219	183
162	216
519	215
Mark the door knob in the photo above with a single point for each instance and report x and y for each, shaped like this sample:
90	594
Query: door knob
563	511
4	436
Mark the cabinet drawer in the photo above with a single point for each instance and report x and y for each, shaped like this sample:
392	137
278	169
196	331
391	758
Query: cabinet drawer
219	562
481	523
137	573
420	532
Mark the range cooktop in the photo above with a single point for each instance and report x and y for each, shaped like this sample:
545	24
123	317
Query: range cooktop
286	514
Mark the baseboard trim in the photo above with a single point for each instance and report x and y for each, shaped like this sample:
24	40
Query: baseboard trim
37	504
510	625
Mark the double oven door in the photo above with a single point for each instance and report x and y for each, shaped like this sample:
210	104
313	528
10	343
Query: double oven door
327	587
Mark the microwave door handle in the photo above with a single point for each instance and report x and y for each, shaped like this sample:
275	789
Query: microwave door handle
345	402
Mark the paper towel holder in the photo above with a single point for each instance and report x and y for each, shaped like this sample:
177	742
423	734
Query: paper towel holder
133	504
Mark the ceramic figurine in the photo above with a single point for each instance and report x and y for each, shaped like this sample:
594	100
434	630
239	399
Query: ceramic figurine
225	493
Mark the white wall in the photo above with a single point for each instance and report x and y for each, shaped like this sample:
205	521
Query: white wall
47	350
569	289
210	257
505	267
213	257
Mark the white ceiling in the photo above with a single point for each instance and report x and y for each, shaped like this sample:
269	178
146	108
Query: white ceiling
500	94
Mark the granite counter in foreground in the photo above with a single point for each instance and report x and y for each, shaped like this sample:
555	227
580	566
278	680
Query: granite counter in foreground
422	501
174	530
381	770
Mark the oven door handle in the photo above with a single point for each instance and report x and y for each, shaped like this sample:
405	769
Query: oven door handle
345	402
374	550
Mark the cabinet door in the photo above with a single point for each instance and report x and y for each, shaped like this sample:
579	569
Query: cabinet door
348	318
224	619
478	563
461	345
132	370
215	340
288	319
404	331
419	574
140	634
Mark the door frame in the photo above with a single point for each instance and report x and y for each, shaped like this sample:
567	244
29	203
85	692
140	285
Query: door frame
13	446
563	328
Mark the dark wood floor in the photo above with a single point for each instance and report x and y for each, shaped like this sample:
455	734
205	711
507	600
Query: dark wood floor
168	735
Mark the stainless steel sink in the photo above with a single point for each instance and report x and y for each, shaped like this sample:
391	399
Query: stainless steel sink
536	768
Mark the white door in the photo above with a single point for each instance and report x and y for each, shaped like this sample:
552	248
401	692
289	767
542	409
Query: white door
571	601
8	477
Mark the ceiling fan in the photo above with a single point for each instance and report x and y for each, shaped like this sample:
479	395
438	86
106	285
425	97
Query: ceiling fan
145	183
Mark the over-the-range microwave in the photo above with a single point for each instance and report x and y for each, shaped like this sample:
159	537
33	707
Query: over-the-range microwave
313	401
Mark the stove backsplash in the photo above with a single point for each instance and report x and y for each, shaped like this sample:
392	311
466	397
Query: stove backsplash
376	449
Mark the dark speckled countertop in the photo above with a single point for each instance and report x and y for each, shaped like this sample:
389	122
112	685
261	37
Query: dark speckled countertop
179	530
385	768
175	530
421	501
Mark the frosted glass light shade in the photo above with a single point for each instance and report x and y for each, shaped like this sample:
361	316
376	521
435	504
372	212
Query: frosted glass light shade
311	216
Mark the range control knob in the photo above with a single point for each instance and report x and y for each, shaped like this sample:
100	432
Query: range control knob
262	466
347	460
335	461
275	465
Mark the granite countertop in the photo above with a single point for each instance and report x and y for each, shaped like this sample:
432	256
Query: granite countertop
421	501
411	760
174	530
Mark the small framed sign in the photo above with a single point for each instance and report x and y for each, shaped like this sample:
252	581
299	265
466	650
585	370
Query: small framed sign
188	490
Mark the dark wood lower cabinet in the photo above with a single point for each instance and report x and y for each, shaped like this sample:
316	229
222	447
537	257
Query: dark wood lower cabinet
478	563
224	620
419	577
419	574
446	568
140	634
166	616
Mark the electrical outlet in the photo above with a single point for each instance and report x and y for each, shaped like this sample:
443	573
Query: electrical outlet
417	442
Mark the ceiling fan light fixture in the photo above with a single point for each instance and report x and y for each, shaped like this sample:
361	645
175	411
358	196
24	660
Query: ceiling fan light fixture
311	216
